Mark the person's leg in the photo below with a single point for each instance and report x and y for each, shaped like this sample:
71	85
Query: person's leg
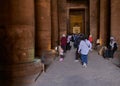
76	54
84	60
64	48
113	53
67	46
61	58
110	54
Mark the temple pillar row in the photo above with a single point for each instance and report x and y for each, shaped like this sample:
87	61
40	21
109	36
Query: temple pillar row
18	67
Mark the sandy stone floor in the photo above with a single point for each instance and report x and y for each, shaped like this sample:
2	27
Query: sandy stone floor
99	72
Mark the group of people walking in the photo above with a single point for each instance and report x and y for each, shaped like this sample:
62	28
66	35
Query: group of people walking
80	42
83	45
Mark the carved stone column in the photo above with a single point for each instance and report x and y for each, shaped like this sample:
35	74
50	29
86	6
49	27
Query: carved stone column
17	64
54	22
62	17
104	21
115	20
94	18
43	25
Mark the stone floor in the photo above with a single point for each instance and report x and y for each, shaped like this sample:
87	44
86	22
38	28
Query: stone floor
100	72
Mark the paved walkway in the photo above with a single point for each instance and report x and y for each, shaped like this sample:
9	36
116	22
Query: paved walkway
100	72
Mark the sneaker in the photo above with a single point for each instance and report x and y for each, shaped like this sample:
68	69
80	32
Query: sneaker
84	65
76	60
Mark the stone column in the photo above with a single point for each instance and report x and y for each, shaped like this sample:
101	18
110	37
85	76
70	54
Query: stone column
86	21
94	18
115	19
43	25
62	17
104	21
54	22
17	64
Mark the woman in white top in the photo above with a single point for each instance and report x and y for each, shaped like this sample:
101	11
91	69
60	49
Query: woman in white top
83	49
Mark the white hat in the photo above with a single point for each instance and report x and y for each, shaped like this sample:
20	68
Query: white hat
90	35
111	37
63	35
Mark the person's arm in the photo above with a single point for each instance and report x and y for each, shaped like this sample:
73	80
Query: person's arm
80	46
90	44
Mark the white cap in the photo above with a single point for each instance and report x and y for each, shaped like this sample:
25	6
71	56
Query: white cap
111	37
90	35
63	35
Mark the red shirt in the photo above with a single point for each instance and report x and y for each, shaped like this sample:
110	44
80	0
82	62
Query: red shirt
63	41
90	39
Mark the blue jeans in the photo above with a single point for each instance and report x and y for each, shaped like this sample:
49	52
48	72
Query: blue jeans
84	58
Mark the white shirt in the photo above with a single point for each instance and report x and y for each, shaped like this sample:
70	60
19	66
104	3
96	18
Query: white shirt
69	38
84	47
88	43
112	44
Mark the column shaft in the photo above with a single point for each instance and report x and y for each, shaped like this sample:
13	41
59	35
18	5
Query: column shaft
115	19
54	22
17	28
94	18
104	21
62	7
43	25
17	64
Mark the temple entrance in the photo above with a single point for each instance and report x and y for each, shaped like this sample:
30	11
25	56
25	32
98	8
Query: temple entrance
76	21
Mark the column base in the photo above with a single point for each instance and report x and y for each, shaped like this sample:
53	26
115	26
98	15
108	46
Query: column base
24	74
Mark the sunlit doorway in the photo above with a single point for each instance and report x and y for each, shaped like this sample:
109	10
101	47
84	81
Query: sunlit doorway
76	21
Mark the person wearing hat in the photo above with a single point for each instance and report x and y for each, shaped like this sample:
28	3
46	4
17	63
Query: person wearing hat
90	38
113	46
63	42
